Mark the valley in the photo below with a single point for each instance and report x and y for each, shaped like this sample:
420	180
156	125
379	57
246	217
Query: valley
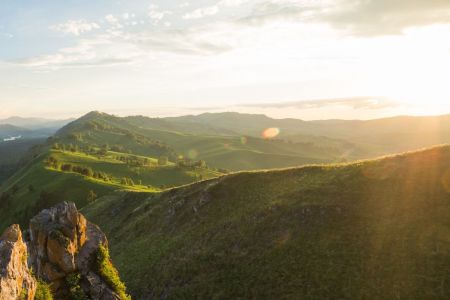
215	213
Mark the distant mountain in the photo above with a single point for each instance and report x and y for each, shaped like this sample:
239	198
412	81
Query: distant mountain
35	123
10	132
373	137
7	130
376	229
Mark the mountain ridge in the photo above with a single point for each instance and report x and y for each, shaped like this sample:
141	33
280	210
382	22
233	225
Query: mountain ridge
370	229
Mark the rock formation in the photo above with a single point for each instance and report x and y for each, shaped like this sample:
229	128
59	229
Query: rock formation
16	281
63	250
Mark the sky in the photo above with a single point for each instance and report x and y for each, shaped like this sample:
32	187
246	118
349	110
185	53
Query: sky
308	59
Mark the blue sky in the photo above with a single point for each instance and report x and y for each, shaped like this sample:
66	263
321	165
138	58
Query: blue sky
311	59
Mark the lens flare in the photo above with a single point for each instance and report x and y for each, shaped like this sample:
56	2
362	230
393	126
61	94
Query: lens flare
270	133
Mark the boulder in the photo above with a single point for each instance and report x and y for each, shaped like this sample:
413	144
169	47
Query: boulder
62	247
16	281
63	243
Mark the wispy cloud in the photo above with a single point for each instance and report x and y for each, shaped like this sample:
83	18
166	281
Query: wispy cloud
211	10
156	15
354	103
202	12
358	17
75	27
87	53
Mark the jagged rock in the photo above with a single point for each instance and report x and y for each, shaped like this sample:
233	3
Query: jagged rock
63	243
63	247
16	281
98	289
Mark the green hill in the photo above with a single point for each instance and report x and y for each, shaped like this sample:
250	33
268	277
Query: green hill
375	229
71	175
365	138
226	150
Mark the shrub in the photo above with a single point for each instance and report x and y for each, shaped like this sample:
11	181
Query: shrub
43	291
76	292
163	160
66	167
109	273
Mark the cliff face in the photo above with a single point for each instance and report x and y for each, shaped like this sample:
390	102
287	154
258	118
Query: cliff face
63	250
16	281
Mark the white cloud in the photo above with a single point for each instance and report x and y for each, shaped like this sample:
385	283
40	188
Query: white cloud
98	51
75	27
111	19
232	2
202	12
184	5
156	14
214	9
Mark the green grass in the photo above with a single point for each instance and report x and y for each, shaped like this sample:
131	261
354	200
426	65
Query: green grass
70	186
152	176
233	152
109	273
376	229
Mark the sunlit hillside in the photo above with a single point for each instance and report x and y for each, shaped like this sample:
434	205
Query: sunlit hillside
376	229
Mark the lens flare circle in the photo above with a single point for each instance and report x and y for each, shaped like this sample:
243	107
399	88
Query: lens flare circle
270	133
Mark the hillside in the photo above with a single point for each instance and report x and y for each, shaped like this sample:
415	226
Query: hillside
225	150
376	229
7	130
370	138
11	154
81	176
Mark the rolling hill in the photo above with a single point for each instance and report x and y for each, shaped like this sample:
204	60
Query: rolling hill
11	154
376	229
79	176
224	150
370	138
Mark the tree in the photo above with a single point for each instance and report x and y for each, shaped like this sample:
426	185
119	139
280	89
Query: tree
91	196
201	164
163	160
66	167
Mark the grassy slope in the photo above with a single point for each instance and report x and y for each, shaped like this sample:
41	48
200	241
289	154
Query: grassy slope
372	230
68	186
230	152
225	149
365	138
74	187
153	175
11	154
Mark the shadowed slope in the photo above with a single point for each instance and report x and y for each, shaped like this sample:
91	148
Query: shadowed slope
377	229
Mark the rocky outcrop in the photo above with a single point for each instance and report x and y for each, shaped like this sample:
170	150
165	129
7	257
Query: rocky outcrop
16	281
63	250
63	243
